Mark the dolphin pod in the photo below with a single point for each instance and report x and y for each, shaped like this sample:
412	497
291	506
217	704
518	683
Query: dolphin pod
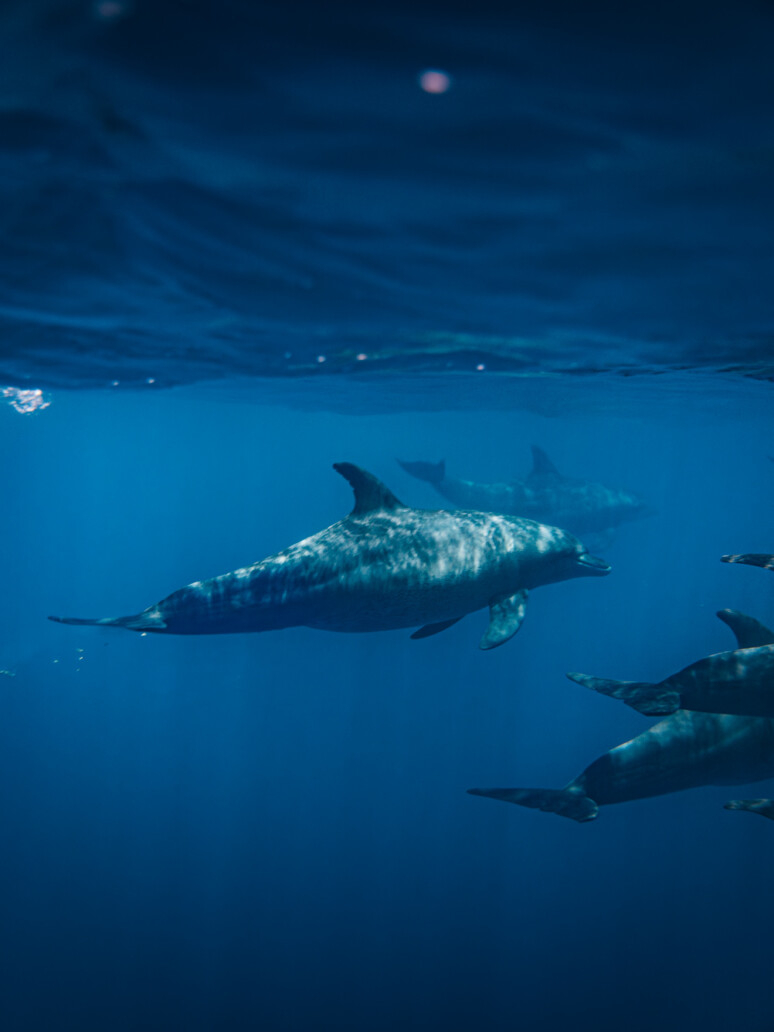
384	566
686	750
583	507
714	742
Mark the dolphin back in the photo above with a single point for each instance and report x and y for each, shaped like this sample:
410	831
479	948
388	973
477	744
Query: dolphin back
431	472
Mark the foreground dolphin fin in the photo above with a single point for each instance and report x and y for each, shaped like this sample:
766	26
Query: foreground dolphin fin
505	619
764	559
749	632
541	464
370	493
567	802
138	622
765	807
432	472
653	700
434	628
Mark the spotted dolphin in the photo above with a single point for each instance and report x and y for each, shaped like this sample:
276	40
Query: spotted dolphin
739	681
582	506
685	750
384	566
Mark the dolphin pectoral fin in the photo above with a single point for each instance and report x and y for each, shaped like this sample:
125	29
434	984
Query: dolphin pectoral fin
765	807
763	559
749	632
652	700
434	628
567	802
370	493
505	617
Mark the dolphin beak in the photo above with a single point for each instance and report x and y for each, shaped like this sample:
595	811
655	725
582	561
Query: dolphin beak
593	564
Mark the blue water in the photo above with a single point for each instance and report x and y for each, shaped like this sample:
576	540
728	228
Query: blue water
238	243
272	831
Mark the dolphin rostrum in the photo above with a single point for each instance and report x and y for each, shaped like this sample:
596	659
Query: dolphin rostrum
583	507
383	567
763	559
739	681
686	750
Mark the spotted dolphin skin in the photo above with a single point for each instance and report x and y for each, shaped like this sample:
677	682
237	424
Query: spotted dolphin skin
739	681
383	567
583	507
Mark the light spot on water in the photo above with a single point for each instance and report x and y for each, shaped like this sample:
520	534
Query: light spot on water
24	401
111	10
433	80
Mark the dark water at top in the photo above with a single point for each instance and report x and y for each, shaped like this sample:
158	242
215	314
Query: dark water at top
271	832
194	190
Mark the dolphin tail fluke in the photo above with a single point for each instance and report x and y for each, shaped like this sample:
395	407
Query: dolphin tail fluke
567	802
432	472
765	807
652	700
137	622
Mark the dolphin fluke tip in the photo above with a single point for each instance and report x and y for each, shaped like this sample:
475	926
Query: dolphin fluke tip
652	700
76	621
566	802
765	807
432	472
145	621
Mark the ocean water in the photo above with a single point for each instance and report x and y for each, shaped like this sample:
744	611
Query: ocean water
239	243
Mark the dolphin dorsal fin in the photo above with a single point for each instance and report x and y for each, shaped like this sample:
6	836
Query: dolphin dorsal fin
749	632
541	464
370	493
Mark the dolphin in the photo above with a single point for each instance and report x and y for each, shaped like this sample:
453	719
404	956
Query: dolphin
765	807
739	681
383	567
685	750
583	507
751	559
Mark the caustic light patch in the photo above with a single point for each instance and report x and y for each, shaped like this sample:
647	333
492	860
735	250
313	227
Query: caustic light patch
24	401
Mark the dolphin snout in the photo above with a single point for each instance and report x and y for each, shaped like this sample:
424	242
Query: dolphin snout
593	564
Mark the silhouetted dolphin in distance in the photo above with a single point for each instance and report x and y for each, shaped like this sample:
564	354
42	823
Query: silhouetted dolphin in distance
383	567
740	681
581	506
686	750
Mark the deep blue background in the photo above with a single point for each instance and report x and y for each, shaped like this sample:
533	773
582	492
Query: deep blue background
272	831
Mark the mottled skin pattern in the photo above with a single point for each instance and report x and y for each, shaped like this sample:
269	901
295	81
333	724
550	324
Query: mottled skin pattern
581	506
686	750
385	566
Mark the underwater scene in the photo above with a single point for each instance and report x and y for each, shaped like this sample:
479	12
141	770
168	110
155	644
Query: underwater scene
387	451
